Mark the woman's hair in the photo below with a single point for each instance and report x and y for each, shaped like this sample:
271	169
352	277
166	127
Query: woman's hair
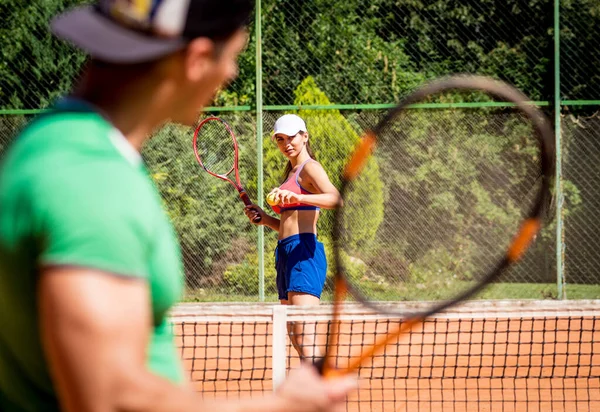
288	167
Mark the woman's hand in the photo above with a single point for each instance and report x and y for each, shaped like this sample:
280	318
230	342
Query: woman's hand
252	211
285	197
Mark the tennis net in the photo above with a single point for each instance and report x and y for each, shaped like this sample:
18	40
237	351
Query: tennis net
485	356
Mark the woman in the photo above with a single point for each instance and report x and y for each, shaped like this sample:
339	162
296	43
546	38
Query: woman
299	257
89	261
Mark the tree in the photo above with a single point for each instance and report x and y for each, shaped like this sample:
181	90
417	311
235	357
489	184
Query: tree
36	67
338	44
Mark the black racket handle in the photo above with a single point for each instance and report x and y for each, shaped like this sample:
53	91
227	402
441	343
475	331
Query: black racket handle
320	365
247	202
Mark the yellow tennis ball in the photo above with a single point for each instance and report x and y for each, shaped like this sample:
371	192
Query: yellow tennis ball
271	200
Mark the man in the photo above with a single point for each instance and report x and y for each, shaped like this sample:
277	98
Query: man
89	263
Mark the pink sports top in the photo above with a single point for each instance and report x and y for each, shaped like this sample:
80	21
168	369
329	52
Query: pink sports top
292	185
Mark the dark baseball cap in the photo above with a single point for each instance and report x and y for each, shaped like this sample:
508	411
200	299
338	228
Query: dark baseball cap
137	31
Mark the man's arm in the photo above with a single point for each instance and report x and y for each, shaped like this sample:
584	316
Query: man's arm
95	328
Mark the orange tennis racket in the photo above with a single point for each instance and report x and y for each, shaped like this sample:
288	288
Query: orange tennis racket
461	189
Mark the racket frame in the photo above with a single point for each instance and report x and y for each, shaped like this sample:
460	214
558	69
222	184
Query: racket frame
234	167
529	228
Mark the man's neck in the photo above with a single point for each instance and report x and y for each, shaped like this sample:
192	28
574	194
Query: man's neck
136	108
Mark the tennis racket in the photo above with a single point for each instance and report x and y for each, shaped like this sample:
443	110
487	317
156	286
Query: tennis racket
462	187
216	150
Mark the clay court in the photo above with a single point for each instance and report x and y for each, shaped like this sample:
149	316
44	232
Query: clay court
546	361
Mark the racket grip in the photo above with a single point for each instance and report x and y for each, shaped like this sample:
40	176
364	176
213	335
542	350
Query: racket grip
327	372
247	202
320	365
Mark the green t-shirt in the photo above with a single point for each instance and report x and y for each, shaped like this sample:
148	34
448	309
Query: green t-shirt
73	191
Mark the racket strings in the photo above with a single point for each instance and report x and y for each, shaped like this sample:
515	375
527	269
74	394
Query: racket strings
216	147
456	185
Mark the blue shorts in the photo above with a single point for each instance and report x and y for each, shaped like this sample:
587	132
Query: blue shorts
301	265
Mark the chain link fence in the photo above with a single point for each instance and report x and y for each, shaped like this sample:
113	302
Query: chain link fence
398	234
375	51
361	56
579	23
358	51
582	188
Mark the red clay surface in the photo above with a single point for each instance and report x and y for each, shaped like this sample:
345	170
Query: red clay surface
549	364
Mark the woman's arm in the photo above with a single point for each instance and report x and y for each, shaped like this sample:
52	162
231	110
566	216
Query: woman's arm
95	328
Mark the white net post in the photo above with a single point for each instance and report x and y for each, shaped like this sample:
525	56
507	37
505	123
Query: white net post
279	344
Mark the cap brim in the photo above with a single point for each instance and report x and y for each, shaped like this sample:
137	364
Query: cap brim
288	132
107	41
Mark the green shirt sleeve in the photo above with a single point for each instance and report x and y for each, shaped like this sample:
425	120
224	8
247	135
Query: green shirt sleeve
87	216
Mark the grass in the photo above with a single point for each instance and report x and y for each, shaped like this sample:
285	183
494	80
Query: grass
496	291
203	295
577	292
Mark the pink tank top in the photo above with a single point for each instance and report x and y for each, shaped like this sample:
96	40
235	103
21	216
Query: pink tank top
292	185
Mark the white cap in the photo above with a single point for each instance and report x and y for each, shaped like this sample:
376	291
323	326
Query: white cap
289	125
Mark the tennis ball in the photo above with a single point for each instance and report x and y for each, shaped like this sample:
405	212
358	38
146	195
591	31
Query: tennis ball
271	200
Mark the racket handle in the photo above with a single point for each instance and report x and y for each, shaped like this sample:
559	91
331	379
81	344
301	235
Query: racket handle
328	372
320	365
247	202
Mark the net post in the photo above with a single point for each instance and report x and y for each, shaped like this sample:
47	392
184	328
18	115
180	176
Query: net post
279	344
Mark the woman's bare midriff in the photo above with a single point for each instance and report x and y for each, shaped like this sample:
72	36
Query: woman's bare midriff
293	222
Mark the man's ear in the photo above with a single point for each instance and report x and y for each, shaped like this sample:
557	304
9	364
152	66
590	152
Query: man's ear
199	54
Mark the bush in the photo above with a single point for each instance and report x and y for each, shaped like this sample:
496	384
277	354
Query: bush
206	212
332	139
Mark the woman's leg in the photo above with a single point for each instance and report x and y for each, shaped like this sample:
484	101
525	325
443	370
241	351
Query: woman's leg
290	331
303	335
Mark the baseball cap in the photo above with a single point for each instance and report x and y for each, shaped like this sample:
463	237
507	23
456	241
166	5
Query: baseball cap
137	31
289	125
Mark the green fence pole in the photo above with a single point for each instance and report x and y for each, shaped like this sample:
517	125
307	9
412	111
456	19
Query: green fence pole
259	149
560	245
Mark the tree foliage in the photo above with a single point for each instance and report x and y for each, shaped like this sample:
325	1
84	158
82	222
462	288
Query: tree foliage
35	67
358	51
206	212
317	52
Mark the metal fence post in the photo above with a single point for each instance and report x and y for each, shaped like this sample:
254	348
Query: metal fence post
259	150
560	245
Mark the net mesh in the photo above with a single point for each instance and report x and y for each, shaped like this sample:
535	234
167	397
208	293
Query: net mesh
506	356
226	358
